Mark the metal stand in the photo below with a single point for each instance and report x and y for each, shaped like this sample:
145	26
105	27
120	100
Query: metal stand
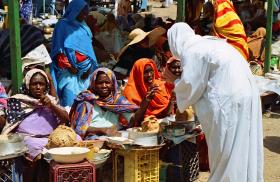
6	170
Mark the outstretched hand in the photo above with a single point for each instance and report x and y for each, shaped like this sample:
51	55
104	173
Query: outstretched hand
112	131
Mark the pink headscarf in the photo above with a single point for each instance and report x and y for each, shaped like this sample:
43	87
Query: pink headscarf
167	75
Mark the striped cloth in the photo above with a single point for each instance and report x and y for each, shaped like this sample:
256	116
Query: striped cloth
30	36
229	26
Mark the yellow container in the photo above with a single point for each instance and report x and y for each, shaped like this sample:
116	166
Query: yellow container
141	165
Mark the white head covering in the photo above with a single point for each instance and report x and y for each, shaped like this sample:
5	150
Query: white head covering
30	74
181	36
39	55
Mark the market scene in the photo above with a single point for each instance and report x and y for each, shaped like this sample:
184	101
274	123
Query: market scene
139	90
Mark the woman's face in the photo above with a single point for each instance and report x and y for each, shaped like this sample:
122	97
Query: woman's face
37	85
83	14
103	85
148	74
175	68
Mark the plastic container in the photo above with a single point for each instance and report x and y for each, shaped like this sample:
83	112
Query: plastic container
79	172
139	165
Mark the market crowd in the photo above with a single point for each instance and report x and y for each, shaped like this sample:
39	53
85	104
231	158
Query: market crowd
106	73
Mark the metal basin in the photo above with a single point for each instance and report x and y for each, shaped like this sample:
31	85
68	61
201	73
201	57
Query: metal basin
12	146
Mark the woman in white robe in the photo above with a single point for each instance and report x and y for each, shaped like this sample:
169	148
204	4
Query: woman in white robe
217	81
167	3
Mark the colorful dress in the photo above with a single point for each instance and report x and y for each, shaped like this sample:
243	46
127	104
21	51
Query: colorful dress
26	9
228	25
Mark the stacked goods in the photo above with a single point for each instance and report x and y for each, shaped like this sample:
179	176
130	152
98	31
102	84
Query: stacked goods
62	136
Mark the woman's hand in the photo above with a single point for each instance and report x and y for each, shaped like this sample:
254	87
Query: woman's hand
152	91
73	70
60	112
45	100
112	131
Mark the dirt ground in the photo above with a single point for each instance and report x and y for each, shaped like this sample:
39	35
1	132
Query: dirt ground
271	126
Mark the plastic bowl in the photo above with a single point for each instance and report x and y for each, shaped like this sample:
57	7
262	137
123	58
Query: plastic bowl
68	154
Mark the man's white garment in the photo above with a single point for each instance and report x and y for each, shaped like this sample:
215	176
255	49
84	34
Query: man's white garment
167	3
217	81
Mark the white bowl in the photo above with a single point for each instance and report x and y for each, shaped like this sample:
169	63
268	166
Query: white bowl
68	154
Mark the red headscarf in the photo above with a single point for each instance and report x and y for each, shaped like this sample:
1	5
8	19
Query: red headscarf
136	89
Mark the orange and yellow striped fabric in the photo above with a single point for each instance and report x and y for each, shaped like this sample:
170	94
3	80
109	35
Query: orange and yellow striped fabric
228	25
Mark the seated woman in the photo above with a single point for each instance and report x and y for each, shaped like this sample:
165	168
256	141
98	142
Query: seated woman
72	52
101	110
34	114
145	87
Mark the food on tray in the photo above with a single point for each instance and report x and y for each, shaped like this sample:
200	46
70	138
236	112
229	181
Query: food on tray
150	124
62	136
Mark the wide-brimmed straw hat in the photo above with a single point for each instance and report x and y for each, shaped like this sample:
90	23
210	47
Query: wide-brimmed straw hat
137	35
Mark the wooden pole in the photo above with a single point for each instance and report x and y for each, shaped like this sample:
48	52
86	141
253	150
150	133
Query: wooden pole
268	36
181	10
15	48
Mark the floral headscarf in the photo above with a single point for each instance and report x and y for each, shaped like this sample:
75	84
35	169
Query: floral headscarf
166	73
